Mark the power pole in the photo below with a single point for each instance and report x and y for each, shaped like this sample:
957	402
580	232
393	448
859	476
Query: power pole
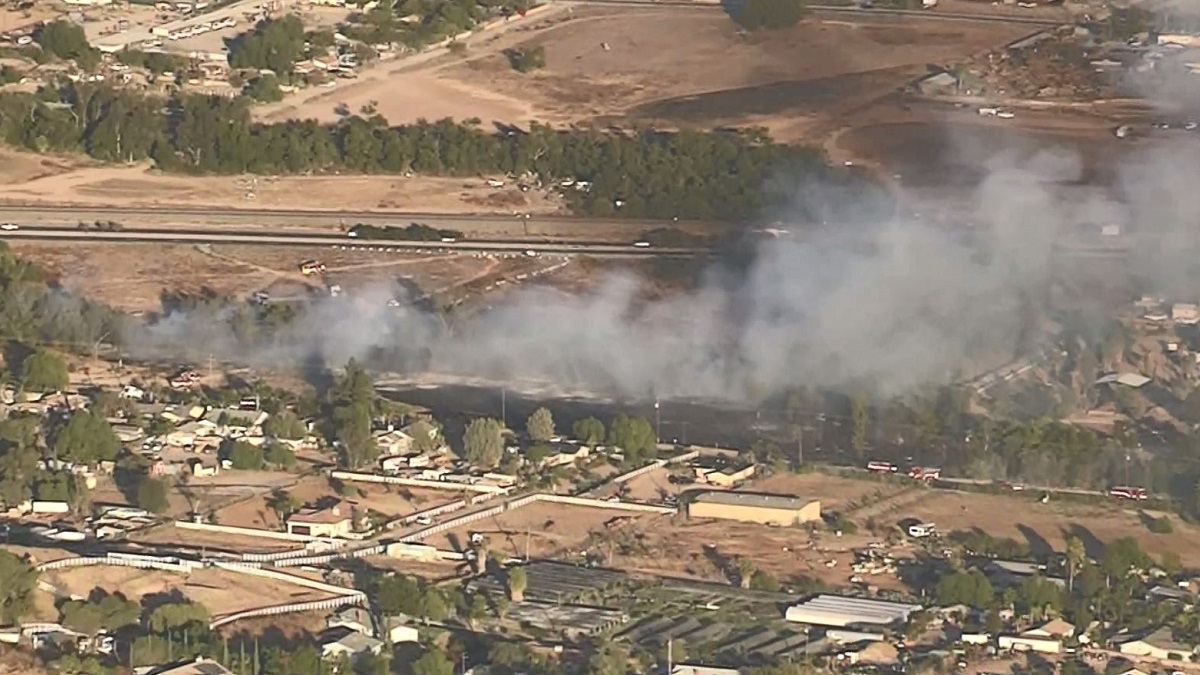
503	409
657	422
799	446
670	655
212	361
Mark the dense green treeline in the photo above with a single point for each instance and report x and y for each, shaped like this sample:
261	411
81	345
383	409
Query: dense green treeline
712	176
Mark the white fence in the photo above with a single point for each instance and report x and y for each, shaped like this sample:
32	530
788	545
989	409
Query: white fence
287	578
246	531
602	504
417	482
332	603
168	564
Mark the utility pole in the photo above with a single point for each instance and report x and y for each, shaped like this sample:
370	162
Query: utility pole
503	408
212	361
799	446
657	422
670	656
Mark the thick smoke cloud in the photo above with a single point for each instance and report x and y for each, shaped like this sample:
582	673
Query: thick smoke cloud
900	302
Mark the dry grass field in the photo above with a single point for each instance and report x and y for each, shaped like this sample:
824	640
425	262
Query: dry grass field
390	500
222	592
548	529
716	76
29	179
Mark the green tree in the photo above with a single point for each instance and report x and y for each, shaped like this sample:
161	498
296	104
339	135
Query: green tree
537	454
432	604
517	580
764	581
283	503
86	438
43	371
433	662
607	659
397	594
528	59
243	456
279	455
970	588
633	435
483	442
540	425
767	14
275	45
1076	555
177	615
285	424
589	431
745	570
16	593
152	495
66	40
264	89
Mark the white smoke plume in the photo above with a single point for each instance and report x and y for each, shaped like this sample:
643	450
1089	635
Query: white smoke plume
891	305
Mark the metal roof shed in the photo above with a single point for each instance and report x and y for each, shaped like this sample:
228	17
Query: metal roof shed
834	610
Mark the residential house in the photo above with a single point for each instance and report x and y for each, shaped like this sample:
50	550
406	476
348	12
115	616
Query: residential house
726	476
1170	594
400	629
393	442
185	435
343	642
423	429
1004	573
1157	644
1185	313
1055	628
1029	643
689	669
161	468
335	521
870	652
397	463
204	467
564	454
356	619
200	666
128	433
233	422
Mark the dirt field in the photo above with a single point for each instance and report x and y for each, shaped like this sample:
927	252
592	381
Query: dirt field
836	494
390	500
549	529
173	536
64	180
220	591
714	77
1044	525
132	276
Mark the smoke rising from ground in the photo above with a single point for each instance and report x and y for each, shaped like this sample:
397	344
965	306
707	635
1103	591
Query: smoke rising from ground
891	304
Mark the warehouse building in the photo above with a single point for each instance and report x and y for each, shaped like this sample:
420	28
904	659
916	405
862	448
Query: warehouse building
755	507
836	610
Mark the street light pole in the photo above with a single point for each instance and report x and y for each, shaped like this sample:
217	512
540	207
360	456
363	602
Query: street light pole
657	423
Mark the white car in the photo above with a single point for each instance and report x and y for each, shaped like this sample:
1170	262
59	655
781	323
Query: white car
9	227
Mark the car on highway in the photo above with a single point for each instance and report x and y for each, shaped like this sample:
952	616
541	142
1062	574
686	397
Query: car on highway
9	227
642	244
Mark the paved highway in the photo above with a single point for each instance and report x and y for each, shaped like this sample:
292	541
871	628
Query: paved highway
72	215
296	239
849	10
